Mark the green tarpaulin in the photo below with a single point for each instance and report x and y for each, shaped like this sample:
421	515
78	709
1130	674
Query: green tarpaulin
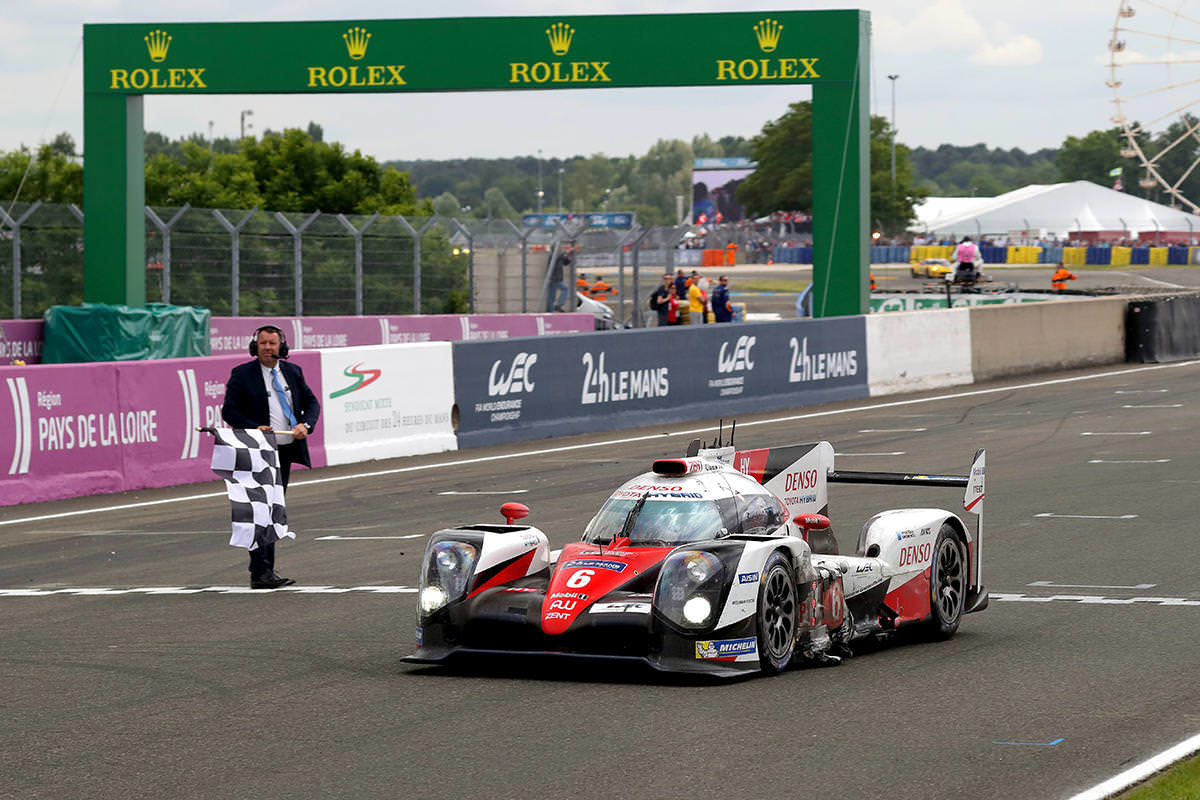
103	332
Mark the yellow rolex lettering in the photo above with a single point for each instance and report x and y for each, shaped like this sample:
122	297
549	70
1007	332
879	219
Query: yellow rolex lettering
316	76
559	77
725	70
120	78
197	81
375	76
540	72
579	71
766	70
518	73
154	84
354	79
175	78
809	71
600	75
787	68
394	77
139	79
748	69
337	76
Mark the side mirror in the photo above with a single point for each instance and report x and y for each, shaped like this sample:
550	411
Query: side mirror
512	511
812	522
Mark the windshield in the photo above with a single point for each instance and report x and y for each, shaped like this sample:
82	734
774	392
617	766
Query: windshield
656	521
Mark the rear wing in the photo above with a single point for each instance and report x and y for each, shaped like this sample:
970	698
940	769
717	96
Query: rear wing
973	483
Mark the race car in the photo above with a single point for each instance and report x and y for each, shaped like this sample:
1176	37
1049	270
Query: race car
722	563
930	268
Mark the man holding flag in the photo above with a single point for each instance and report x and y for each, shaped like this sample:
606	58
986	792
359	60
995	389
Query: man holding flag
272	396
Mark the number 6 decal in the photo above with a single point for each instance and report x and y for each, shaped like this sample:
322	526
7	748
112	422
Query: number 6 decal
582	577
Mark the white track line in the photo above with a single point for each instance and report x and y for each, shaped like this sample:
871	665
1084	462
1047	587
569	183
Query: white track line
629	440
1141	771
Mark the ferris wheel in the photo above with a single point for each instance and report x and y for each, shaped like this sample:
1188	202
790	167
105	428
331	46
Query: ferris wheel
1154	74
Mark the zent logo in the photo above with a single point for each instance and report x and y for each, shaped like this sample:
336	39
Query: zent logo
518	378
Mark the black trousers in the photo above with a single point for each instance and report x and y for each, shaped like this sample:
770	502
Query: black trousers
262	558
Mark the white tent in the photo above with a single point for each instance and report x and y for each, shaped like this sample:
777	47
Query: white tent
1059	209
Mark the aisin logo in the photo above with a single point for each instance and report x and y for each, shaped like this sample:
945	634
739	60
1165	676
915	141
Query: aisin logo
362	378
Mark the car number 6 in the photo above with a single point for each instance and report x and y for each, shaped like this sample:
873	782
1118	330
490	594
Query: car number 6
582	577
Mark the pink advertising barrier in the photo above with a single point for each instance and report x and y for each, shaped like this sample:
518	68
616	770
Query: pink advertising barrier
21	341
77	429
22	338
232	334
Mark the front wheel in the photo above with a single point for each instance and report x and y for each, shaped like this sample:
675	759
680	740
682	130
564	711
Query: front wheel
947	584
778	613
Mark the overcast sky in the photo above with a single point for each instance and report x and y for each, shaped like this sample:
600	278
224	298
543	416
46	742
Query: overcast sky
1022	73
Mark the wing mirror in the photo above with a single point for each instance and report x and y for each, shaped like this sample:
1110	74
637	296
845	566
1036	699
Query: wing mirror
512	511
812	522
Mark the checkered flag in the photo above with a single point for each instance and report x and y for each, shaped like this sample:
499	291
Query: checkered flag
249	463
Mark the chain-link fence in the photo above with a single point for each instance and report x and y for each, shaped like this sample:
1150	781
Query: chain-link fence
239	262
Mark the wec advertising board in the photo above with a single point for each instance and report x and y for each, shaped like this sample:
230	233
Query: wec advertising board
530	388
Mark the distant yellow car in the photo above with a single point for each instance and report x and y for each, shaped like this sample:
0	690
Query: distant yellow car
931	268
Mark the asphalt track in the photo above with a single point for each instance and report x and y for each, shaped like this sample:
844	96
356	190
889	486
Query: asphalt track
1085	663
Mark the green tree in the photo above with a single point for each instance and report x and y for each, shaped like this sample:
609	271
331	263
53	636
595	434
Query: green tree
49	176
496	206
783	178
1090	158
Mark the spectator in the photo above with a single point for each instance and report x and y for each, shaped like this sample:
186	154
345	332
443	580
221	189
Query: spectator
660	299
730	254
721	307
696	301
557	295
681	284
673	315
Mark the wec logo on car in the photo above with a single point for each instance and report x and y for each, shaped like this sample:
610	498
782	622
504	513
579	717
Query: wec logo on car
739	357
517	379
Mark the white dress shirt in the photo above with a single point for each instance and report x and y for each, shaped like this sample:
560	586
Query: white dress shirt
279	421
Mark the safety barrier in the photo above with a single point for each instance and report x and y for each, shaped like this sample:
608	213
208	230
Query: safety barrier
1166	329
535	388
78	429
22	339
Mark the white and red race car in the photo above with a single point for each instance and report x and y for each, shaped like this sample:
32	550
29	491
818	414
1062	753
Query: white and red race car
722	562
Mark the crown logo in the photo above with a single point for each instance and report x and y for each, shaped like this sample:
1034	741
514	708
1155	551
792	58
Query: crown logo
157	43
356	42
560	34
767	32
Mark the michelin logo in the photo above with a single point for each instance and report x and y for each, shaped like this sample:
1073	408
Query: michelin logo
726	649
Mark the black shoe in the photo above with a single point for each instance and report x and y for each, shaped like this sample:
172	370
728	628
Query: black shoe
268	580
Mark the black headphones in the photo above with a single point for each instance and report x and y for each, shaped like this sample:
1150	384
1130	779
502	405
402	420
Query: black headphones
283	345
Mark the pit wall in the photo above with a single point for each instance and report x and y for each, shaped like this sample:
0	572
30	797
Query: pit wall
79	429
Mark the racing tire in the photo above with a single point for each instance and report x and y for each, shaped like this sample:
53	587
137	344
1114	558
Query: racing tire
948	580
915	274
777	616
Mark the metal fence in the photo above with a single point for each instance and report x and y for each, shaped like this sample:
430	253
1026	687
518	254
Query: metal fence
260	263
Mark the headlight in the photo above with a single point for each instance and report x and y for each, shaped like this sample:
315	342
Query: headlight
446	575
689	588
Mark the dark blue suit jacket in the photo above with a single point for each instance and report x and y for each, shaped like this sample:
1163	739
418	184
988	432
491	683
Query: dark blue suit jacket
246	404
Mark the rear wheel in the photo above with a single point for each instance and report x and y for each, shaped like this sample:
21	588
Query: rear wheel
778	612
947	584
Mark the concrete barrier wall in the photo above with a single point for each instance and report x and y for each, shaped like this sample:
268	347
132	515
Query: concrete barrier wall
1037	337
909	351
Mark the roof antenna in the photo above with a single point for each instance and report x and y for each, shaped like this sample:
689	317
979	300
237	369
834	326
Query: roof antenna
732	430
720	432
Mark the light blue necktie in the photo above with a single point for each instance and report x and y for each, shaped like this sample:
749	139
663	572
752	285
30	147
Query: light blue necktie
283	401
